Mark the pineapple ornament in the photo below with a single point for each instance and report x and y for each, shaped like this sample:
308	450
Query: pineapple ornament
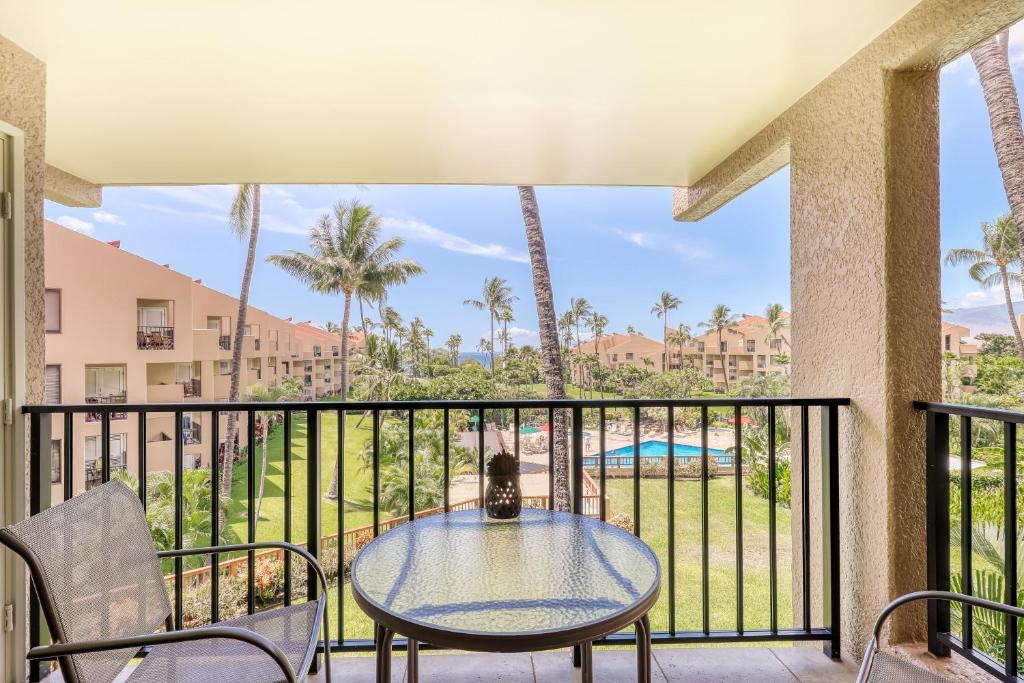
503	498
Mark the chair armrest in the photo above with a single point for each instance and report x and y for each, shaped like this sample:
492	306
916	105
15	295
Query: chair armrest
947	596
259	545
163	638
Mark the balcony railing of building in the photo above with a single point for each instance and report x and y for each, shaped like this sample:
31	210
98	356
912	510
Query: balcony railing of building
225	342
193	388
987	552
154	338
95	474
106	399
192	434
588	424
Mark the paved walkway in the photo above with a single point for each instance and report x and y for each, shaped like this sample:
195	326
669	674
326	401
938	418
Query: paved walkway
693	665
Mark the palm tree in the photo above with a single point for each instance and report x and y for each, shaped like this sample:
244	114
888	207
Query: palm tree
347	254
776	323
989	266
427	334
665	303
505	316
390	321
484	347
453	343
598	324
497	296
290	389
554	377
579	309
991	59
680	337
721	319
244	220
415	337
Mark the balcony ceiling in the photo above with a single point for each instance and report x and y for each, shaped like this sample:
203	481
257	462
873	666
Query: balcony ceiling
406	91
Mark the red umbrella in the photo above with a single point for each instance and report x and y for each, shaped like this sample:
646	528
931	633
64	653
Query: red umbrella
744	420
545	428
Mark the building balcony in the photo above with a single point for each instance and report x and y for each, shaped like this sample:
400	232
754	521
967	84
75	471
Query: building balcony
154	338
106	399
225	342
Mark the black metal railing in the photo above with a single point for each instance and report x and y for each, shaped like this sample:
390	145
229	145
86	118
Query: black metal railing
590	477
993	644
154	338
225	342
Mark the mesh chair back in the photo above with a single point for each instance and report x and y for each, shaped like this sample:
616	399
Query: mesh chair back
95	567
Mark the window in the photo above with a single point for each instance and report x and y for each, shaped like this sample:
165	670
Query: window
629	356
182	372
334	350
53	311
224	367
750	346
152	316
316	351
760	361
723	346
271	362
56	461
700	347
247	331
949	340
273	340
213	323
104	380
94	457
53	384
615	356
254	363
732	361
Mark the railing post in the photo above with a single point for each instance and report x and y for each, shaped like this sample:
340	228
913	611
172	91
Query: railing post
830	526
313	508
937	508
39	500
577	458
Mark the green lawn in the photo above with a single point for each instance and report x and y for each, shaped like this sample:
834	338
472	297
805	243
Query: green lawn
573	391
653	526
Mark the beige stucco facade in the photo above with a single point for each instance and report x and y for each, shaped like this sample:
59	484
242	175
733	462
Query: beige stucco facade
121	328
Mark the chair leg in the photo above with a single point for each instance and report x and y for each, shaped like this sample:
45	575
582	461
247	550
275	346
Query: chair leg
383	638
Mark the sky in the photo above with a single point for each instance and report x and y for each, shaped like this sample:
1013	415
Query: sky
617	247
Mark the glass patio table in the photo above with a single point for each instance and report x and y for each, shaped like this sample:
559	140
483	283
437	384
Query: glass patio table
543	581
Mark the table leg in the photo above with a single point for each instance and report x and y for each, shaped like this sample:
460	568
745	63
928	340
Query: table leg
643	650
587	662
412	664
382	638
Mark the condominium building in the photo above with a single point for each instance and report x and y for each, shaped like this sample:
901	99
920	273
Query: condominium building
123	329
748	349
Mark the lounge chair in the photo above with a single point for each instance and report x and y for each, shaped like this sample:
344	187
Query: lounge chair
882	667
103	595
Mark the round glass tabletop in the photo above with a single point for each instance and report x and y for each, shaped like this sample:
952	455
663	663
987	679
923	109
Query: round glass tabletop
472	578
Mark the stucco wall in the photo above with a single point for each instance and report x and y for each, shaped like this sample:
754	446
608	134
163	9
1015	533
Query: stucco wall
23	105
863	150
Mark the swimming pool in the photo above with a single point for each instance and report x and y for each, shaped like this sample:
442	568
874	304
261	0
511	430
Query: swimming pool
656	450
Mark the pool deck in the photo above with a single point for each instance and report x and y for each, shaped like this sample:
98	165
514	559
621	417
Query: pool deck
534	466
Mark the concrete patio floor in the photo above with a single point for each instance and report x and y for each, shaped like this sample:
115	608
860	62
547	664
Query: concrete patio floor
693	665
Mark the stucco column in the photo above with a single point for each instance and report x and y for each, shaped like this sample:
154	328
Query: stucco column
865	292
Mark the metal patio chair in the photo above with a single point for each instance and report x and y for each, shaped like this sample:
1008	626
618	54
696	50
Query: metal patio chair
104	597
882	667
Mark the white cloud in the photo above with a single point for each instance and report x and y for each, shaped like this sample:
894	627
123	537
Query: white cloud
446	240
641	239
216	198
107	217
275	224
523	334
984	297
645	240
77	224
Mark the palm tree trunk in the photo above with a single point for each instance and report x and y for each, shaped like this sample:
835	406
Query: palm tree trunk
721	354
332	490
554	376
263	468
492	343
993	64
236	352
1010	312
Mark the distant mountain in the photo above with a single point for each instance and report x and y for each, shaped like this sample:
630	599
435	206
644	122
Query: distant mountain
482	358
980	319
